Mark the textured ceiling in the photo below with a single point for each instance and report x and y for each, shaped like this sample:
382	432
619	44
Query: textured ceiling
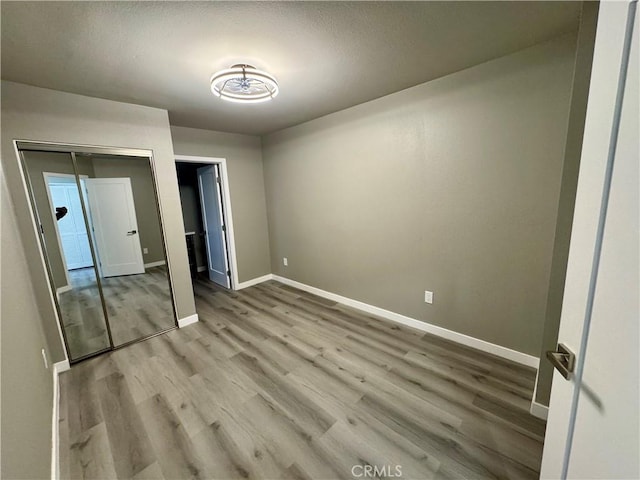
327	56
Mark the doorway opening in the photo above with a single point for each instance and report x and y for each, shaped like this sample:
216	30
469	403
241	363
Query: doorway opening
204	196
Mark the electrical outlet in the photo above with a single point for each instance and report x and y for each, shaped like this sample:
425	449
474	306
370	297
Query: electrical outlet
285	261
145	251
428	296
44	358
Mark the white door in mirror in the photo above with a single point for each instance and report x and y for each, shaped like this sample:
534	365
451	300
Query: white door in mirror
115	226
71	227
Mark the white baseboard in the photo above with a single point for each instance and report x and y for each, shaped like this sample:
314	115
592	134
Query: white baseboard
539	410
58	368
55	417
65	288
498	350
183	322
254	281
62	366
155	264
202	269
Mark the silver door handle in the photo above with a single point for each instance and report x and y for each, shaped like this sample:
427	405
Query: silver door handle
132	232
563	360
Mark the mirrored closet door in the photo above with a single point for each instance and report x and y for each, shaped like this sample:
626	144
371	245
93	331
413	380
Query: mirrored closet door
101	234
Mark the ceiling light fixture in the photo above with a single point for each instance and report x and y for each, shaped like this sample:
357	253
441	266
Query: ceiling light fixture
244	84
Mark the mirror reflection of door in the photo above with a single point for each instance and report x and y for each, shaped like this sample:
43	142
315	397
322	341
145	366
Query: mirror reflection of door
72	231
115	226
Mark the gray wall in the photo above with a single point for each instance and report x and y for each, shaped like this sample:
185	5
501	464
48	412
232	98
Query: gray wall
51	116
246	188
27	387
144	199
573	150
450	186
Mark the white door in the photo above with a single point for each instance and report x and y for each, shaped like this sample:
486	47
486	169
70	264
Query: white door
593	426
214	228
115	226
72	230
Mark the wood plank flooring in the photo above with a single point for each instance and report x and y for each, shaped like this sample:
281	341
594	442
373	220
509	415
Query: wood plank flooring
137	305
276	383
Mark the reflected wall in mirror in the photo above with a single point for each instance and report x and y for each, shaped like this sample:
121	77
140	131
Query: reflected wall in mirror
104	249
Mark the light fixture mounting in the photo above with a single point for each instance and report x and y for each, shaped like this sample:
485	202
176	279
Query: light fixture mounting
244	83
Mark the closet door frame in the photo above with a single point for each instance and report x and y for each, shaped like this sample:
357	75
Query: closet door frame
21	146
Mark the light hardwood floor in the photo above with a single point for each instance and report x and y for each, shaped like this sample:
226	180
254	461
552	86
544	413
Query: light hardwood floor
276	383
137	305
